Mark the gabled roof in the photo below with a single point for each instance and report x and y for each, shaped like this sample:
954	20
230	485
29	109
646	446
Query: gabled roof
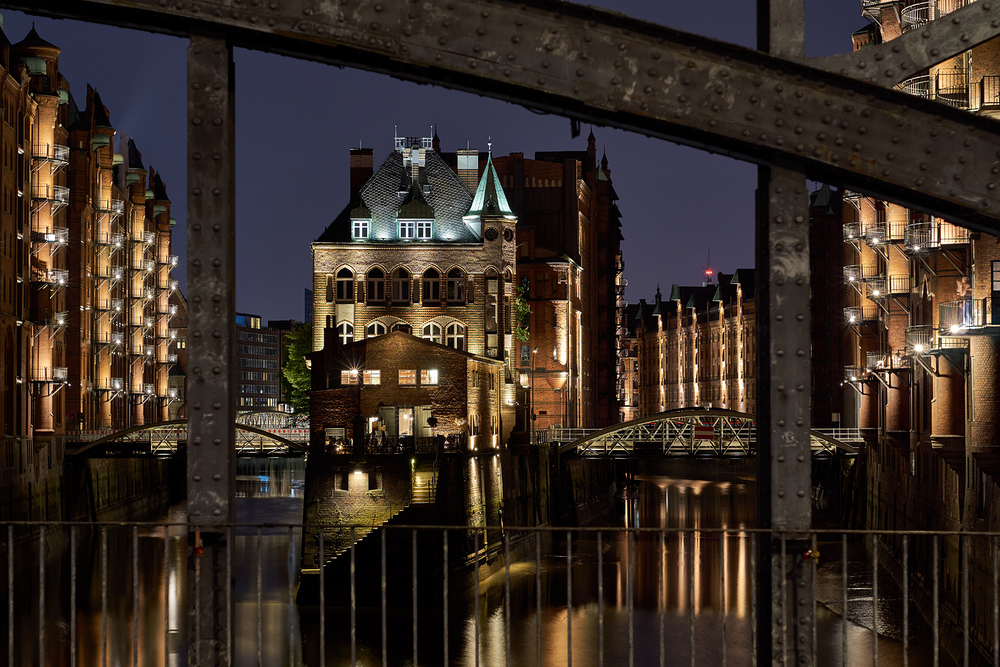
159	189
490	198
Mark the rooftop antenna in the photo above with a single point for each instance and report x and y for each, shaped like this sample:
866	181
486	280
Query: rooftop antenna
708	269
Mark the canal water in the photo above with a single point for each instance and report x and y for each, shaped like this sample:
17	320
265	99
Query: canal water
685	592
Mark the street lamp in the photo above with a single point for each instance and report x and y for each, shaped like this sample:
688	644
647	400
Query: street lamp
531	395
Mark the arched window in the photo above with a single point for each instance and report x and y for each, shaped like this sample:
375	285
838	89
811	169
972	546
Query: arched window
401	286
456	286
432	332
376	286
345	332
345	285
375	329
455	336
432	286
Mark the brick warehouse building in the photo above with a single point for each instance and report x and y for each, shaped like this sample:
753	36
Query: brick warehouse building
85	335
697	348
439	245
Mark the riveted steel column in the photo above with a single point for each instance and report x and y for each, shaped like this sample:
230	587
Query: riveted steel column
212	311
784	461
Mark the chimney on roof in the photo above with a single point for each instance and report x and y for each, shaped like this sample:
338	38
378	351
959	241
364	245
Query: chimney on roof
362	167
468	167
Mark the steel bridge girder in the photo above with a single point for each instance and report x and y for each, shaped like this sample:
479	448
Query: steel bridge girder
608	68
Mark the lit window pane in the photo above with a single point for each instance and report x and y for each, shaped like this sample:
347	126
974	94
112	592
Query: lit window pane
373	377
408	376
429	376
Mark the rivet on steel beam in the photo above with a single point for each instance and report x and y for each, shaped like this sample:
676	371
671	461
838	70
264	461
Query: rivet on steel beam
217	442
196	227
802	495
196	440
799	422
217	512
821	136
799	317
919	182
218	406
197	406
781	458
216	334
217	477
781	422
749	116
781	494
196	478
780	353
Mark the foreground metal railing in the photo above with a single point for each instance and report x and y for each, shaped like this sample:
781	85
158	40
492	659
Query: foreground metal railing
114	593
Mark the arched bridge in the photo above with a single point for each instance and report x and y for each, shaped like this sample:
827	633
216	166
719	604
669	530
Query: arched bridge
164	438
688	432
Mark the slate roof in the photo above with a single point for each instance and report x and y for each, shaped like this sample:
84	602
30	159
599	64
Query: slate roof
392	192
100	112
134	156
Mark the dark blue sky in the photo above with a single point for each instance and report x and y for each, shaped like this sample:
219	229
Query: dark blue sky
296	121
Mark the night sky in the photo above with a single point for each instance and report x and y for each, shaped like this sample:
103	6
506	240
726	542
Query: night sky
296	121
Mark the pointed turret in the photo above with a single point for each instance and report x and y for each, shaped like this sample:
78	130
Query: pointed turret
490	199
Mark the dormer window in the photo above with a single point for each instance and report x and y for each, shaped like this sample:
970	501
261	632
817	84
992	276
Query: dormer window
424	229
360	229
407	229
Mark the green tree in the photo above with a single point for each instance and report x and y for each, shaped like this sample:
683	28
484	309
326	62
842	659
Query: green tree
296	377
522	315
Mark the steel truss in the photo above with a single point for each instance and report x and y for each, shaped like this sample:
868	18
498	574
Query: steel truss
683	433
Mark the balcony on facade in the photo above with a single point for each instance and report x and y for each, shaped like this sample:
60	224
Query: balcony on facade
919	237
109	305
855	374
56	196
109	272
53	374
860	314
898	284
918	86
875	233
143	389
113	208
114	241
879	360
852	231
967	316
169	309
56	236
949	234
986	94
111	338
54	155
146	238
52	278
919	14
951	87
169	284
148	294
111	384
919	339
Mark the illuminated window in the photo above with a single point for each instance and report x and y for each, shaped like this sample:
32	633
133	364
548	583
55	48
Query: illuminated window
455	336
376	286
428	376
456	286
408	376
360	229
375	329
432	332
432	286
373	377
423	229
345	285
345	332
401	286
348	378
406	229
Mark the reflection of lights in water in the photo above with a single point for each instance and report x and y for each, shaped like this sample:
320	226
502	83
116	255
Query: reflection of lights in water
742	576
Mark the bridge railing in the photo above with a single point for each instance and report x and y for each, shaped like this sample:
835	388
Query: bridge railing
689	602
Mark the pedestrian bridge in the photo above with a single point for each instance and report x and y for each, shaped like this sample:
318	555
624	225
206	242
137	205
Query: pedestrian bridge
254	437
688	432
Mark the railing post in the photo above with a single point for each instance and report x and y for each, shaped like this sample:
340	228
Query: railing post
211	393
785	579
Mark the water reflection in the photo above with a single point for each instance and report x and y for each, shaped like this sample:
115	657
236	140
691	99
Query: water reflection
131	582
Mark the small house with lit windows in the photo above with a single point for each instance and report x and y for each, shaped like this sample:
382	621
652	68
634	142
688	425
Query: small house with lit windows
425	249
398	392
